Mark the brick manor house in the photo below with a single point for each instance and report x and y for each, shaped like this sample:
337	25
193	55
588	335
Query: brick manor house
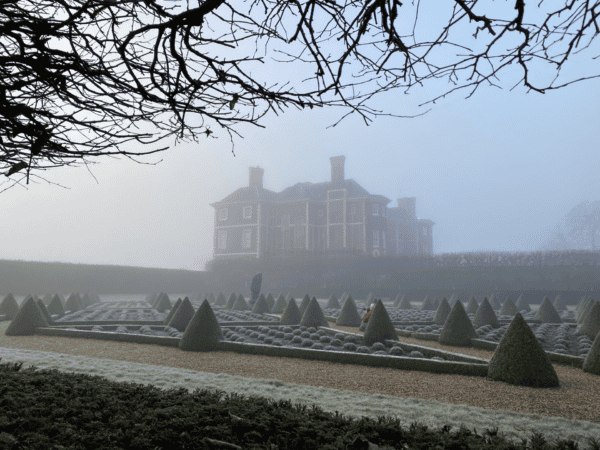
312	219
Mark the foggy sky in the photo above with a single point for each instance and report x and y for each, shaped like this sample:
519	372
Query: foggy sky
494	172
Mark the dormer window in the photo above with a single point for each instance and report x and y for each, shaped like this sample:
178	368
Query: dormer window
222	214
375	209
247	212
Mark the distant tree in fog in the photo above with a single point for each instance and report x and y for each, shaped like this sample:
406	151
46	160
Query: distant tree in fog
81	79
578	230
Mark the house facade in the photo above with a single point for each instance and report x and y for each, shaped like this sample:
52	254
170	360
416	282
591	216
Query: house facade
314	218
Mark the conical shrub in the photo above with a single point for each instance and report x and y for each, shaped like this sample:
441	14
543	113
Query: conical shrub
280	305
495	303
380	326
211	298
522	305
591	363
560	304
44	311
304	304
270	301
47	298
56	306
369	299
203	331
85	300
333	303
457	330
72	304
452	300
397	300
435	304
9	307
261	306
442	312
349	316
151	297
519	358
485	315
585	310
231	301
404	303
163	304
291	314
313	315
547	314
183	315
472	306
343	298
427	304
591	324
288	297
509	308
28	318
240	304
221	300
173	311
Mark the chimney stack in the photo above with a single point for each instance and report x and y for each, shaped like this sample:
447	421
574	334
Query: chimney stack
256	177
408	204
337	169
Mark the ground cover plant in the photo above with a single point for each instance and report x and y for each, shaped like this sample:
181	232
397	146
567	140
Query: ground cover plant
44	409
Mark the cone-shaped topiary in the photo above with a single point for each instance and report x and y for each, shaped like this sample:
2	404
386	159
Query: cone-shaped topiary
369	299
231	300
427	305
435	304
261	306
591	324
349	316
582	302
404	303
546	313
270	301
44	311
163	304
280	305
182	315
458	329
203	331
9	307
452	300
288	297
591	363
56	306
71	304
173	311
472	306
291	314
28	318
583	312
304	304
47	298
509	308
221	300
343	298
520	359
522	305
560	304
397	300
159	298
151	297
485	315
313	315
380	326
333	303
240	304
494	303
255	288
211	298
85	300
442	312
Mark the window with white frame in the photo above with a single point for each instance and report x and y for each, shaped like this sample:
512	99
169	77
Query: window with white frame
247	238
222	214
247	212
375	238
375	209
353	209
222	240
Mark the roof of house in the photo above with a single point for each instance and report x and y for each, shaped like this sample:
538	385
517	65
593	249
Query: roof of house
297	192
